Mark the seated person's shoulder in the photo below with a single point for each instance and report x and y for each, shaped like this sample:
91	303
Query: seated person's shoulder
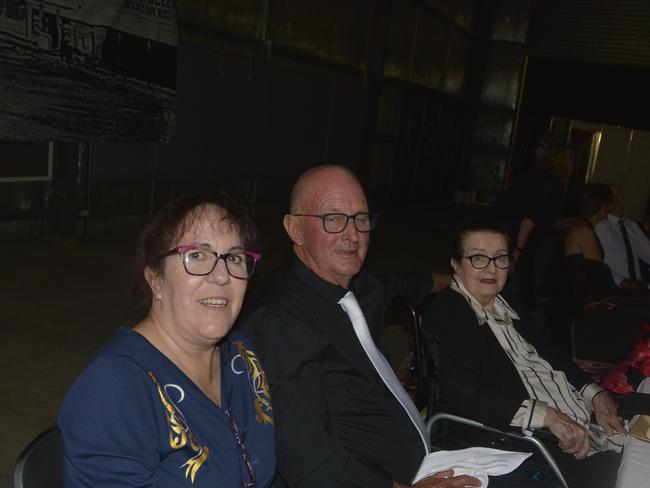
109	382
582	239
445	305
577	233
579	230
275	318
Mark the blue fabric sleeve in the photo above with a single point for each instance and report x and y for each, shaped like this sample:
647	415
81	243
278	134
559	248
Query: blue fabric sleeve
108	420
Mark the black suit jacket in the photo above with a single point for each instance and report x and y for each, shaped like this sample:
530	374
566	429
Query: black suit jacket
337	425
477	378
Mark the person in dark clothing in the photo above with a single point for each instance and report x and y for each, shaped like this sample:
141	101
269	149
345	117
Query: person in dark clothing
338	424
490	350
529	209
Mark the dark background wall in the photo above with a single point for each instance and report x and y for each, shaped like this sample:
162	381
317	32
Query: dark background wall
267	89
588	60
423	98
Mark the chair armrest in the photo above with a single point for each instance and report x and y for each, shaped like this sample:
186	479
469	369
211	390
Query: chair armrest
440	416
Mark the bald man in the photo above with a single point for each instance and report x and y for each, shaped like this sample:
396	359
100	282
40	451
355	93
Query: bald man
337	423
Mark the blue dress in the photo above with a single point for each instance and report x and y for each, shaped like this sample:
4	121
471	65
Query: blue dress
133	419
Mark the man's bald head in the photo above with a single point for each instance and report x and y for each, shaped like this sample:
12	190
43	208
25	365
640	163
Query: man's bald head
308	182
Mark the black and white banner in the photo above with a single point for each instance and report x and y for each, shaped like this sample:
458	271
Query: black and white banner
75	70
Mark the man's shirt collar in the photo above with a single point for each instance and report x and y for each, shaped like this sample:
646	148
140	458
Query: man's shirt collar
323	288
613	219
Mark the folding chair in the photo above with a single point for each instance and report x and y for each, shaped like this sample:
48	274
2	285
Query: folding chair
499	439
39	465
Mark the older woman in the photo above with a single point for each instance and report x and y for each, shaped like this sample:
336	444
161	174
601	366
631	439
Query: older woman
497	368
179	399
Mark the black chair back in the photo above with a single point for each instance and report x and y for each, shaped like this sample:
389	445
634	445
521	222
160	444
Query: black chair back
401	324
39	465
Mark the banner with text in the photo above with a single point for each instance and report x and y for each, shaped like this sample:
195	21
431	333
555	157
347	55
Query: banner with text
88	70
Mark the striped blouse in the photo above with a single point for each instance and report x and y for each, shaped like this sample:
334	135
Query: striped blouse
546	387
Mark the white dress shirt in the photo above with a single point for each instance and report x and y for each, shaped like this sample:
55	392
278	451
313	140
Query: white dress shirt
611	238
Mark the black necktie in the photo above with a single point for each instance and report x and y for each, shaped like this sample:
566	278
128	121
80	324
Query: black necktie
628	250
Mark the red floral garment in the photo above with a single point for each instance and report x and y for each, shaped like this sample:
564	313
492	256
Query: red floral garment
637	363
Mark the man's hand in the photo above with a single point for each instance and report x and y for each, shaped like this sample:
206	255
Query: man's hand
573	438
443	479
606	414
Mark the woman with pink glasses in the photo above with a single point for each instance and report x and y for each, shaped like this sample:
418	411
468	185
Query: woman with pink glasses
180	399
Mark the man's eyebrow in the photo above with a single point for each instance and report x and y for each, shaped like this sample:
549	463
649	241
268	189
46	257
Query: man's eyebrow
338	210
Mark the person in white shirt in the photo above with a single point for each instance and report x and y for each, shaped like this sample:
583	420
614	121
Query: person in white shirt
622	258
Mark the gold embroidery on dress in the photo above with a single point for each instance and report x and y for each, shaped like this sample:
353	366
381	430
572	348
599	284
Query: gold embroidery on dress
180	435
259	384
195	463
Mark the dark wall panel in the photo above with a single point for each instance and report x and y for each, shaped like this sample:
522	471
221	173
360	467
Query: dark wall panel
346	122
432	45
457	63
615	95
24	159
222	116
503	71
244	117
299	113
403	18
122	162
330	29
596	31
407	144
510	20
493	130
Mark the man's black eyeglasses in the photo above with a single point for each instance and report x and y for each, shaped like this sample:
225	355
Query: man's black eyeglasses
335	222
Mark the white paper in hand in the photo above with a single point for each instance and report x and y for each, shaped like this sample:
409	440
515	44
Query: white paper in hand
478	462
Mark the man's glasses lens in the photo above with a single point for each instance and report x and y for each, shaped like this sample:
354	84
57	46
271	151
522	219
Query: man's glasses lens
337	222
480	261
202	261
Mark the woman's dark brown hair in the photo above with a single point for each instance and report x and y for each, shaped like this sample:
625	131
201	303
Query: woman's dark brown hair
464	231
165	226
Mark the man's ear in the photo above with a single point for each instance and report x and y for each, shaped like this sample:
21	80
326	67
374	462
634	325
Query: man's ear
293	228
153	278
